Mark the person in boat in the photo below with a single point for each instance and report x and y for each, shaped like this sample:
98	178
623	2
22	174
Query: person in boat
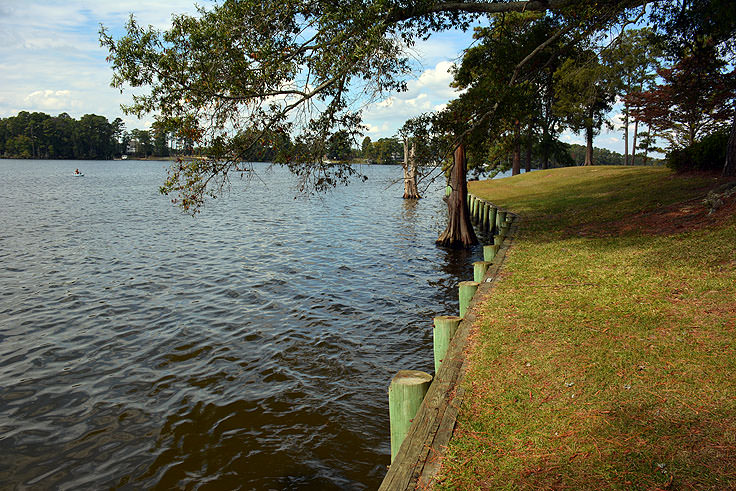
76	171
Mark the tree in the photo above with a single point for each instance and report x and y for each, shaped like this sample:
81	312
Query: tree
366	148
160	140
684	24
286	66
459	231
693	100
584	95
414	136
633	59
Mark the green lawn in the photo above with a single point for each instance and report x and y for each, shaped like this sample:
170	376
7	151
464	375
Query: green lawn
606	356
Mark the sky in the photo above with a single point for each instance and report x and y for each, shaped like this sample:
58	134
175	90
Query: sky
51	61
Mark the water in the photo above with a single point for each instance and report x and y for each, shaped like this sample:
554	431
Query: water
247	348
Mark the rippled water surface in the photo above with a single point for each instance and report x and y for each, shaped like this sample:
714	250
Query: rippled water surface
250	347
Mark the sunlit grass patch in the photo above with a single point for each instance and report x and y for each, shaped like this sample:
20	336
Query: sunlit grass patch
607	361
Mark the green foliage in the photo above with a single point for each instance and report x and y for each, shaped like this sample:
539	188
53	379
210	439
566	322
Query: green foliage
694	97
40	136
601	156
508	83
289	66
708	154
273	66
339	147
585	91
386	151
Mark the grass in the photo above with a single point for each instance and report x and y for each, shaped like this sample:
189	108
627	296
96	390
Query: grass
606	356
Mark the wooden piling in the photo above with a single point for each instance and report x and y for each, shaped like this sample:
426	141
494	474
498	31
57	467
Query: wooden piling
466	291
479	270
484	216
492	219
405	395
500	218
489	252
444	329
497	240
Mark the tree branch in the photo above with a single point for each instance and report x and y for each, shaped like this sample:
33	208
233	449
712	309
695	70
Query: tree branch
407	13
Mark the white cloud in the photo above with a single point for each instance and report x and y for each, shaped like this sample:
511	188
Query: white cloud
430	91
377	129
48	44
60	100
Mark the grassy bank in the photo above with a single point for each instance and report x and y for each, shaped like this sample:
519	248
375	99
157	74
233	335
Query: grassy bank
606	357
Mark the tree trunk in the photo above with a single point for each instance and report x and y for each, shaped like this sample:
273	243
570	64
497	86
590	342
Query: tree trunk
729	168
626	135
528	156
545	149
410	172
645	158
588	145
633	146
459	232
516	165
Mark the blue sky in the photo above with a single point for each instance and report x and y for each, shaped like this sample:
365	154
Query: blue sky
51	61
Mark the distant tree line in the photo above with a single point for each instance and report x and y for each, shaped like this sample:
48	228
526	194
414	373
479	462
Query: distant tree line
41	136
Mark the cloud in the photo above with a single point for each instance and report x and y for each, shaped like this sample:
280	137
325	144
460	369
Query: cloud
430	91
51	59
60	100
375	129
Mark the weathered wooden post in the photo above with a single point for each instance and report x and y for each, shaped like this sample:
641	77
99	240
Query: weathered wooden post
466	291
474	209
500	218
492	219
490	251
479	270
444	329
484	216
506	225
497	240
405	395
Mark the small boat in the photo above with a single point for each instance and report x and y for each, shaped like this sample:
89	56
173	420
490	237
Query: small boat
78	174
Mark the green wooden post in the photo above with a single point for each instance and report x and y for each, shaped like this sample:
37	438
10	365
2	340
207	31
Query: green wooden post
405	395
448	190
492	219
479	270
444	329
497	240
474	209
466	291
489	252
500	218
484	216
